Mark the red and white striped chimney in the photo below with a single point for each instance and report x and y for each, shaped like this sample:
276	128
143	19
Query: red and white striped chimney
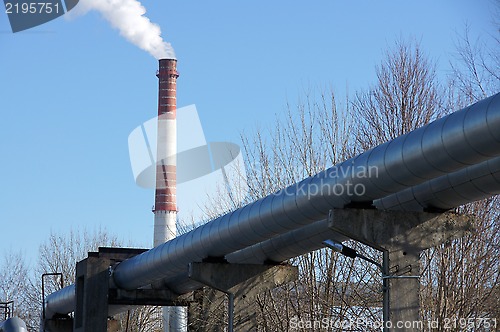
165	209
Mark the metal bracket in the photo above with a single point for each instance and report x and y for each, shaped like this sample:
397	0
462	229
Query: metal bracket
61	280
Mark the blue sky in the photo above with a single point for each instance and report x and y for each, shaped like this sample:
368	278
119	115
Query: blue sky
72	90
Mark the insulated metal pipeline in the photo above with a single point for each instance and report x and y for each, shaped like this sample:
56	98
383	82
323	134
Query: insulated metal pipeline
61	302
446	192
278	249
283	247
476	182
443	193
466	137
13	324
451	190
463	138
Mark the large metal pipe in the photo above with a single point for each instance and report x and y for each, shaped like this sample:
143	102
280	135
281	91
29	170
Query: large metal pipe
278	249
463	138
61	302
454	189
467	137
13	324
483	178
476	182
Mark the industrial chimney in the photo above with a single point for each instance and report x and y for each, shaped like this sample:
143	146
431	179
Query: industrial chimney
165	208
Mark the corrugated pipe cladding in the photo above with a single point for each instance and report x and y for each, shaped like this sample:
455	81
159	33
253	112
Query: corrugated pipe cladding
450	155
461	139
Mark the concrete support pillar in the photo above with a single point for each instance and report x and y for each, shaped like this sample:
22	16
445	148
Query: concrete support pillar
96	301
243	282
402	236
404	286
92	279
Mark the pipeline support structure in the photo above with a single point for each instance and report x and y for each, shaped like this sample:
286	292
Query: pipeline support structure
448	162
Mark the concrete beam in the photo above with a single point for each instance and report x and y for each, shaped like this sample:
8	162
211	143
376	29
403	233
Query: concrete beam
92	279
158	297
399	229
242	279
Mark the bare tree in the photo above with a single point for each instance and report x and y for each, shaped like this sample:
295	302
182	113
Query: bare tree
13	276
141	319
460	278
60	253
476	67
16	285
315	135
405	97
311	136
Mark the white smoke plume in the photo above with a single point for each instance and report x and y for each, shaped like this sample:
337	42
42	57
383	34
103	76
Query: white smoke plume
128	17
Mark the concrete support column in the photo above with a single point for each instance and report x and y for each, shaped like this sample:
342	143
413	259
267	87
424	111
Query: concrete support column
92	279
402	236
404	286
96	300
243	282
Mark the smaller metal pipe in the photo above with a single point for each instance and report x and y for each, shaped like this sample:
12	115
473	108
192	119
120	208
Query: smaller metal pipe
43	287
13	324
385	289
384	268
369	260
61	302
335	246
8	309
230	311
